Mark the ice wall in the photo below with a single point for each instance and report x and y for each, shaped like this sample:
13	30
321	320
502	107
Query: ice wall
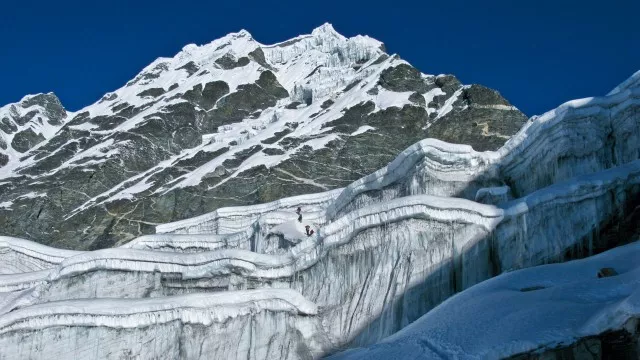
20	255
239	218
559	311
266	324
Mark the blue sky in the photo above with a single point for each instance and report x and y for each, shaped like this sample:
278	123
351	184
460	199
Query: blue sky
538	54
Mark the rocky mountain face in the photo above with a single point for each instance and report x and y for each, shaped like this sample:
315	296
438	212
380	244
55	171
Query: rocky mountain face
233	122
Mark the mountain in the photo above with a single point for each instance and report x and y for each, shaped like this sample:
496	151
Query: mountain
229	123
443	252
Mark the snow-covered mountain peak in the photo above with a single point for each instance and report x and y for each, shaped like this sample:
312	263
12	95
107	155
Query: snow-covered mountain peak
218	121
326	29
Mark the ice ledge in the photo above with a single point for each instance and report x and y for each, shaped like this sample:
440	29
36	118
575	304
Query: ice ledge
130	313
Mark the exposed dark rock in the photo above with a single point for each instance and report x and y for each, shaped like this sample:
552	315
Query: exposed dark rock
7	126
402	78
257	55
607	272
293	105
417	99
147	76
206	98
326	104
351	86
228	62
153	92
476	122
25	140
448	83
190	67
273	151
276	136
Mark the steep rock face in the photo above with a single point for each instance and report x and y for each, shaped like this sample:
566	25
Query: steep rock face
233	122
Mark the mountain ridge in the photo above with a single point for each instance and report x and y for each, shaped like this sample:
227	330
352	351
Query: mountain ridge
236	122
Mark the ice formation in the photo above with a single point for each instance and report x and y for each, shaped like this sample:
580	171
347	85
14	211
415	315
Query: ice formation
527	311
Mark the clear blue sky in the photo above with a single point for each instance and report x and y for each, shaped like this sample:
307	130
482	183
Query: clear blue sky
538	54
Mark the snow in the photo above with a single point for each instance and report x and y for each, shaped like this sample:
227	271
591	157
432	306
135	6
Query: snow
292	230
497	319
266	323
21	281
385	99
393	244
632	81
6	205
361	130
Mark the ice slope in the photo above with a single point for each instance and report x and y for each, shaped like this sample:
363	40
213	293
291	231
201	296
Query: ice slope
532	310
192	242
421	249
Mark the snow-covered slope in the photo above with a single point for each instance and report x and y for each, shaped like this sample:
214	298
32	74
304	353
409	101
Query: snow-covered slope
537	311
235	122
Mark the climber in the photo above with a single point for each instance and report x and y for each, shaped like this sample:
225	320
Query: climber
309	232
299	212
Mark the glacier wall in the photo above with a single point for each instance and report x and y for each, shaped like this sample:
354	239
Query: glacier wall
266	324
192	242
20	255
556	311
239	218
376	269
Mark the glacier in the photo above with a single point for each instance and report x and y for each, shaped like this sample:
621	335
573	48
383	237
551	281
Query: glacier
533	313
440	219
